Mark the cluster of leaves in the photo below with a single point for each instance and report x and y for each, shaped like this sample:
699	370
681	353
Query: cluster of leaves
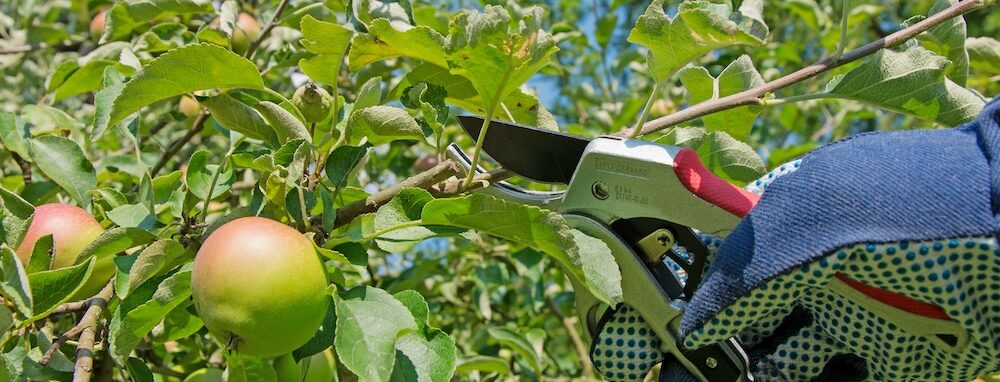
430	285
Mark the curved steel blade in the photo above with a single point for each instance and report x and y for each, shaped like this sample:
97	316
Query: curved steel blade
537	154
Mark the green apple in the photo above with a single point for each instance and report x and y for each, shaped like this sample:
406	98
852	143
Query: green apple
259	287
321	368
72	229
313	101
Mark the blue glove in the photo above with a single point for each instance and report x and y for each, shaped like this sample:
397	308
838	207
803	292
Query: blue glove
877	259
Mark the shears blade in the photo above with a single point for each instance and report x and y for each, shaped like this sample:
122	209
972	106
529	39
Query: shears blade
541	155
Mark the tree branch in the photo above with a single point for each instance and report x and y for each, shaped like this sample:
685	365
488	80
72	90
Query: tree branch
266	31
428	180
754	96
196	127
88	333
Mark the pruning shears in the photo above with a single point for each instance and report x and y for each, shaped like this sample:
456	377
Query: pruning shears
646	201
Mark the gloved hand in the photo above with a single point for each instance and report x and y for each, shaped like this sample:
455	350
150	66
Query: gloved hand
876	259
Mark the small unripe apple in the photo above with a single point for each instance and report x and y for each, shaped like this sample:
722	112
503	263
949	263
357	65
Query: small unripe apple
209	374
189	106
259	287
313	101
97	24
72	229
321	366
247	30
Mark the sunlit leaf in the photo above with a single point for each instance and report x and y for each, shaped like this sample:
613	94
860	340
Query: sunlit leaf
181	71
63	161
910	81
740	75
699	27
127	15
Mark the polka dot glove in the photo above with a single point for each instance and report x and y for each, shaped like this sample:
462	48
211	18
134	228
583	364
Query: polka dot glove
925	310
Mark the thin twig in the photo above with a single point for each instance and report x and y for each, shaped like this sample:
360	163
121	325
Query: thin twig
426	179
452	187
438	180
71	307
24	165
266	31
587	368
754	96
197	127
88	333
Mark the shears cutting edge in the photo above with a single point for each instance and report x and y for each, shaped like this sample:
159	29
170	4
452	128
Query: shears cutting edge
646	201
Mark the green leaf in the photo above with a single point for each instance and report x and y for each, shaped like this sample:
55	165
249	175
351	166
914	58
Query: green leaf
417	306
200	175
104	101
529	225
368	321
738	76
342	162
14	286
133	215
600	271
495	59
237	116
88	78
384	41
329	41
51	288
911	81
323	338
127	15
185	70
382	124
483	363
137	322
42	256
948	40
43	117
405	207
423	357
15	218
138	370
427	354
115	240
242	368
517	342
63	161
154	260
808	11
984	54
14	134
370	94
699	27
179	323
524	108
284	123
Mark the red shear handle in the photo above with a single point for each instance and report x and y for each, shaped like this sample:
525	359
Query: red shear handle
709	187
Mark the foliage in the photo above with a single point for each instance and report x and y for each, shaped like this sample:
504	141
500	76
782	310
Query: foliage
426	283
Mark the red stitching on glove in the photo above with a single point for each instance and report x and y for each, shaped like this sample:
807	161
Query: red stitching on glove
896	300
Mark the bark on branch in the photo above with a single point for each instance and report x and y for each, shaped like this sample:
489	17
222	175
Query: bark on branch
88	334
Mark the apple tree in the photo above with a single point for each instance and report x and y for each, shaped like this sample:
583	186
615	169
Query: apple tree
200	190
